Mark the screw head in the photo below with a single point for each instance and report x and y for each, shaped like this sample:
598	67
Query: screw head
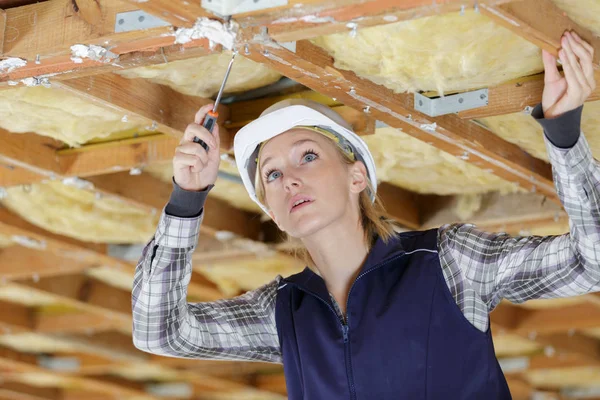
121	21
141	18
461	100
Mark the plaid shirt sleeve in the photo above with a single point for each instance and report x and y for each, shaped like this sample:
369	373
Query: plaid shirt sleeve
164	323
483	268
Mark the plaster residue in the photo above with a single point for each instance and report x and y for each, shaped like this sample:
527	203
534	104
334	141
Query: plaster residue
442	53
313	19
93	52
59	115
211	29
80	214
203	76
10	64
524	131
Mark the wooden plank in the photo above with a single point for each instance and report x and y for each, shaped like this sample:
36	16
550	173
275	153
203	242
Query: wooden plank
30	152
318	18
562	319
61	67
514	96
2	30
179	13
21	391
172	111
313	67
15	318
11	224
119	155
511	213
17	262
49	29
541	22
400	204
150	191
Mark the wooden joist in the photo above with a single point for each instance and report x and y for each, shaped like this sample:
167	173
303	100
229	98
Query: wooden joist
11	225
313	67
541	22
170	110
515	96
49	29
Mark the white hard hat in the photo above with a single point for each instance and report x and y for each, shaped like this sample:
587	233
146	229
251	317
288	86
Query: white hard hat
286	115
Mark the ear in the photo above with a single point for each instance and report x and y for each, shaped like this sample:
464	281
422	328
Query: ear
358	177
275	220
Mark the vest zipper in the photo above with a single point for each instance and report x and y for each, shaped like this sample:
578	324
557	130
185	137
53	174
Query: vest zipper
345	325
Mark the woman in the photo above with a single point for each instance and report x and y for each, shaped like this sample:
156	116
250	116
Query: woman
378	315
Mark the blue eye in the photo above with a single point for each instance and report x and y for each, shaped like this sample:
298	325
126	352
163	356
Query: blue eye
272	175
309	156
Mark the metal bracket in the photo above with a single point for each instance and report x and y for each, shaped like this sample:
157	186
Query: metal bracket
230	7
451	104
291	46
136	20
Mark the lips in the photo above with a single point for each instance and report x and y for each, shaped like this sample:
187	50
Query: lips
299	201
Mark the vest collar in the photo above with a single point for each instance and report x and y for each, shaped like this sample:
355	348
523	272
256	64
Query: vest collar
379	253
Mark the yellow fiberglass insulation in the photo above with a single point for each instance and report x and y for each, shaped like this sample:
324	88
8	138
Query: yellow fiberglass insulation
522	130
59	115
444	53
203	76
80	214
414	165
584	12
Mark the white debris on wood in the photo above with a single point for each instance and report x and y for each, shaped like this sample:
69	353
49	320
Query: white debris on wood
312	19
390	18
93	52
29	242
429	127
36	81
10	64
78	183
224	236
124	119
13	83
213	30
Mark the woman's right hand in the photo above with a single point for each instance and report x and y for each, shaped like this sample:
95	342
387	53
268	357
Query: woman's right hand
194	168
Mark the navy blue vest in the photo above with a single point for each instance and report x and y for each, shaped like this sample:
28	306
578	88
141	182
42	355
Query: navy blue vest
404	337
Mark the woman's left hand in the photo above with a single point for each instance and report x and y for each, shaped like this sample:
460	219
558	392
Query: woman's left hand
562	94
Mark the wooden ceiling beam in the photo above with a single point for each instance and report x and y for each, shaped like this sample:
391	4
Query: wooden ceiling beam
541	22
313	67
179	13
15	318
511	213
170	110
12	225
318	18
515	96
17	262
57	25
150	191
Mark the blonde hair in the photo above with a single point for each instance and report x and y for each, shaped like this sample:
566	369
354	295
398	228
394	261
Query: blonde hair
373	216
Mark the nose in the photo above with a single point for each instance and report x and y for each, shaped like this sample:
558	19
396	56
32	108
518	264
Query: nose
291	182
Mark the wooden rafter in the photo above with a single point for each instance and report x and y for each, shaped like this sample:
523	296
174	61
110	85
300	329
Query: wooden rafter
541	22
12	225
313	67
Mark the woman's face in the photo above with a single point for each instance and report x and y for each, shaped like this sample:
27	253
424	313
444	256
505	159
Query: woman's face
307	184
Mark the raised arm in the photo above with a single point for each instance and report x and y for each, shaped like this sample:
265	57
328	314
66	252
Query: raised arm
483	268
164	323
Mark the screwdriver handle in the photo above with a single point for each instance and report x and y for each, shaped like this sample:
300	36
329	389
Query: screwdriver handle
210	120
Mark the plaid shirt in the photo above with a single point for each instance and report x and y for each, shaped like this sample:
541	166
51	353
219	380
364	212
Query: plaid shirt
479	268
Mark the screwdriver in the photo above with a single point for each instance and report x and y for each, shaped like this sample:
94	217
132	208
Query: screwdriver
211	117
